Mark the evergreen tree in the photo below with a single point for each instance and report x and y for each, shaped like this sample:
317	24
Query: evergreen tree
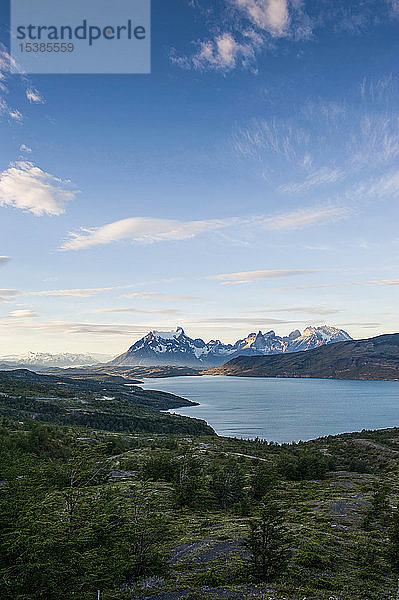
393	544
263	480
227	484
267	541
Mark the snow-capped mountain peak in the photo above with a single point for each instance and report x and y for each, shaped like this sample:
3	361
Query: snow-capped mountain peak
178	349
168	335
46	359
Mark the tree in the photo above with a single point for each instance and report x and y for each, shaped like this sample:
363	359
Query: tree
393	544
188	480
227	484
71	532
380	509
304	465
263	480
267	541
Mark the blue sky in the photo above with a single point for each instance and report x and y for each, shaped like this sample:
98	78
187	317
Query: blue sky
250	182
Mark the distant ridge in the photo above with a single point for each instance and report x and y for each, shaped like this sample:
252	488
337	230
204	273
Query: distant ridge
375	358
175	348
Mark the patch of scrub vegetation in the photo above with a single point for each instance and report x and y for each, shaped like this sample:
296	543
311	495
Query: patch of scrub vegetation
163	517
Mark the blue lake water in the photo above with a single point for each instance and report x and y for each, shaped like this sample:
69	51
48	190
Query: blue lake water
285	410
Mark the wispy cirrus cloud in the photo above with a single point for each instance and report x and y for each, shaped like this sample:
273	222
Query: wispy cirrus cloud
7	295
23	314
137	311
372	283
250	322
78	292
158	295
318	178
301	310
5	109
251	276
8	65
306	217
27	187
73	328
34	96
143	230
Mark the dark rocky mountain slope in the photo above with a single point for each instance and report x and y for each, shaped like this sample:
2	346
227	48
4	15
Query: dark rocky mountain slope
374	358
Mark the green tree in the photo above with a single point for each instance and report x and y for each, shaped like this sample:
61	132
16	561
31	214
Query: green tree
380	509
267	541
262	481
227	484
70	532
393	543
189	480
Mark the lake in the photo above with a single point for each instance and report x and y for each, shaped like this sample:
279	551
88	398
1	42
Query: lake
284	410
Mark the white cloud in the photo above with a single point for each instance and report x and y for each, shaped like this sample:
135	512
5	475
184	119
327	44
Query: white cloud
9	65
147	230
78	292
4	260
24	148
383	188
223	52
301	310
372	283
249	27
250	276
394	5
165	311
155	295
270	15
6	61
66	328
305	217
12	113
22	314
323	176
27	187
7	295
142	230
34	96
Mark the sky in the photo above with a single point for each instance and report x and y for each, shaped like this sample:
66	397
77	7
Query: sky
250	182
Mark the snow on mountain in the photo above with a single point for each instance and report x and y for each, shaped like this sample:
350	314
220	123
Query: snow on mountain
313	337
44	359
175	348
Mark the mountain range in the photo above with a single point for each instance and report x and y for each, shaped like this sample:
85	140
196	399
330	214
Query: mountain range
176	348
373	358
43	360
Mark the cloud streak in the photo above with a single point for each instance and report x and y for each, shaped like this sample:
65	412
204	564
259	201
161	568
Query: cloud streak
158	295
372	283
144	230
251	276
136	311
78	292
